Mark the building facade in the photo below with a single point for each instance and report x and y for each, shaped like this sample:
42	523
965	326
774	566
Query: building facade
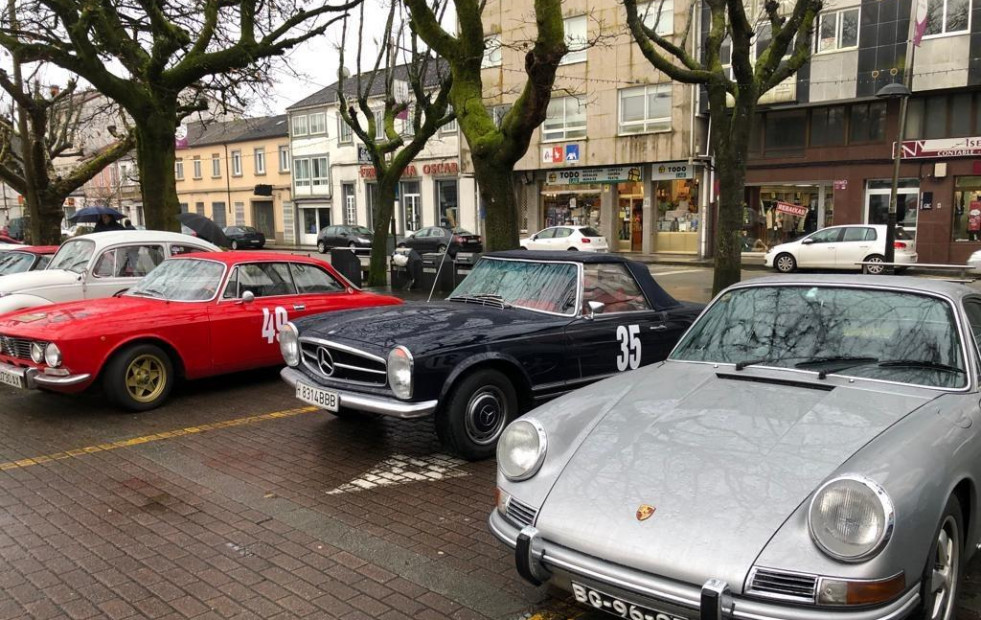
334	181
238	173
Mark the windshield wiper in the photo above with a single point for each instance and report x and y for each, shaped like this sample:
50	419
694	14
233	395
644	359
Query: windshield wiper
745	363
921	364
846	361
147	292
483	298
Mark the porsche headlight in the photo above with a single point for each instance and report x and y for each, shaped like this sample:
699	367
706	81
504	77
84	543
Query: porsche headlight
52	355
400	372
521	450
851	518
37	352
289	344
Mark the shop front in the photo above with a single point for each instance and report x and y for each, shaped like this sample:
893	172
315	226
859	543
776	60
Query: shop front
585	197
678	223
776	213
312	217
430	193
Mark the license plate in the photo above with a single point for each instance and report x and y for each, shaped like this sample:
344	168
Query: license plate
618	607
11	378
316	396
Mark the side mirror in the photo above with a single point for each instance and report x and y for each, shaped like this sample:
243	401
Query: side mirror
248	297
534	237
344	234
593	308
807	242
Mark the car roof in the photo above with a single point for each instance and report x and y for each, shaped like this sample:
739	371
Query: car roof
38	249
111	237
234	258
947	288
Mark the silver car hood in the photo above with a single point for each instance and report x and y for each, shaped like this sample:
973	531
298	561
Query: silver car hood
724	462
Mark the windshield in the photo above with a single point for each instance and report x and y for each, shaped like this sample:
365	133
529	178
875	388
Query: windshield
15	262
181	280
876	334
548	287
73	255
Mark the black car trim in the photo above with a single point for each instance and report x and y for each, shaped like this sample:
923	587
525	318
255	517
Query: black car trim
790	382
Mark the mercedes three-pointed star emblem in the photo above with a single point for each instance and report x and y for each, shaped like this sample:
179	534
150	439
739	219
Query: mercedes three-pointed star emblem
324	361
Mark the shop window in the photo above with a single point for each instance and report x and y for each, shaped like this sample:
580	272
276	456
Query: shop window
575	40
837	30
446	198
492	52
645	109
907	203
828	126
658	15
935	125
868	122
785	132
947	16
967	209
564	120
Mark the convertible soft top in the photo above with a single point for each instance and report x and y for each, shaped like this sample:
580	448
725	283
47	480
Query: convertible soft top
657	296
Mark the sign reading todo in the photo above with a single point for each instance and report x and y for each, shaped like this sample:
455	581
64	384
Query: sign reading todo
792	209
587	176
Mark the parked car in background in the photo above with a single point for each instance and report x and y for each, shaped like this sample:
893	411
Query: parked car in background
96	265
438	238
27	258
809	450
244	237
195	316
8	240
582	238
354	237
842	247
522	327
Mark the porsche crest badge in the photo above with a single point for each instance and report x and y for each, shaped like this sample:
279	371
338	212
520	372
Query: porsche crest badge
645	511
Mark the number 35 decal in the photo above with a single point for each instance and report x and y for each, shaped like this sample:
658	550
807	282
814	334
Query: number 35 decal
272	322
629	339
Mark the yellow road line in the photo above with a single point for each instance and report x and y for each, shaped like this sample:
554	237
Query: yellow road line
136	441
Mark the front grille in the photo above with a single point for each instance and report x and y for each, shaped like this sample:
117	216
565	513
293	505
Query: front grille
16	347
783	585
519	513
342	363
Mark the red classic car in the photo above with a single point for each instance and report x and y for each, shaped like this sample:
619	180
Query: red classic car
26	258
194	316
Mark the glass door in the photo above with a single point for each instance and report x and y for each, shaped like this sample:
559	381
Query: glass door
411	206
907	203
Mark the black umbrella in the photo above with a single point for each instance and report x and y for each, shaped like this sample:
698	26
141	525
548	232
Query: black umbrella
92	214
205	228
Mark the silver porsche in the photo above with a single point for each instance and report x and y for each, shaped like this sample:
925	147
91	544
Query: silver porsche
811	449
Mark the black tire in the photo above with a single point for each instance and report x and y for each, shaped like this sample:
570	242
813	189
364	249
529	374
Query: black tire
785	263
874	269
234	245
479	406
440	248
139	377
901	270
573	249
939	596
321	247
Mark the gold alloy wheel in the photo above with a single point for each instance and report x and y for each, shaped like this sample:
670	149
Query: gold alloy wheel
146	378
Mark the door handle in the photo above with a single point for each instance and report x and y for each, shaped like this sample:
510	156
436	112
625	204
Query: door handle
299	306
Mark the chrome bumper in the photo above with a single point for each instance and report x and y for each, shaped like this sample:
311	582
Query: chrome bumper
391	407
33	379
538	560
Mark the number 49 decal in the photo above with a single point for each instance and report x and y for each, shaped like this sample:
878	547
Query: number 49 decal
629	339
272	322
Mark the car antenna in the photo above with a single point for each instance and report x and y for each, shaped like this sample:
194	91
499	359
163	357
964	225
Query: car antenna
438	270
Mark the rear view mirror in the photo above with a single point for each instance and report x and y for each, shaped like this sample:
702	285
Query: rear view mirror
807	242
248	297
593	308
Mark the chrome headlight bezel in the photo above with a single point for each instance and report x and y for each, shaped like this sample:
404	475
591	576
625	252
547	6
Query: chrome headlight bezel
52	355
878	499
37	352
523	430
289	344
399	367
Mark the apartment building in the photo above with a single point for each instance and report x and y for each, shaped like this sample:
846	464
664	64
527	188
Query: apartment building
334	181
238	173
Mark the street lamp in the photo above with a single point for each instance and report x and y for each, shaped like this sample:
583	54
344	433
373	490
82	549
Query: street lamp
901	92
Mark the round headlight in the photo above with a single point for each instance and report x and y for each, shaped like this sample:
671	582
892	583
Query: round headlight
400	372
52	355
521	449
289	344
37	352
851	518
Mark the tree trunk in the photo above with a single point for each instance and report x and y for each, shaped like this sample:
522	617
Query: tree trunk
46	226
155	158
500	203
378	269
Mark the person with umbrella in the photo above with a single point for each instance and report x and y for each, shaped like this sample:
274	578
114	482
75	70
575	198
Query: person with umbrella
107	222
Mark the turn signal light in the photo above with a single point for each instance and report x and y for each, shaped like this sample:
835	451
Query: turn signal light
846	592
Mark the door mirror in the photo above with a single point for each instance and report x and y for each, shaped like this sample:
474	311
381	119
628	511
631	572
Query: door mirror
534	237
344	234
807	241
593	308
248	297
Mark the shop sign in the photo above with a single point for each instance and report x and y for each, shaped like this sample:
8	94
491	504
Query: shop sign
841	184
572	152
449	167
792	209
553	155
364	156
586	176
368	172
672	170
947	147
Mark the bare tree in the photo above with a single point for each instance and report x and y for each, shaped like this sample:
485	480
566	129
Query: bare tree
156	58
781	34
495	147
423	104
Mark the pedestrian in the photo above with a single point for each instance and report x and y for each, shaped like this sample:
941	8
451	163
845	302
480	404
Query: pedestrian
128	225
107	222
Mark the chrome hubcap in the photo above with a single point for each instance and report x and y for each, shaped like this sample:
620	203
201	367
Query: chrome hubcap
943	579
784	263
486	415
876	267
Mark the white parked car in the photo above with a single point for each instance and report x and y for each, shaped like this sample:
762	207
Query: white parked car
96	265
842	247
584	238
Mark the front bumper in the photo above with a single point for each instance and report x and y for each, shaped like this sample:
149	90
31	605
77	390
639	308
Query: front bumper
32	379
391	407
539	560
